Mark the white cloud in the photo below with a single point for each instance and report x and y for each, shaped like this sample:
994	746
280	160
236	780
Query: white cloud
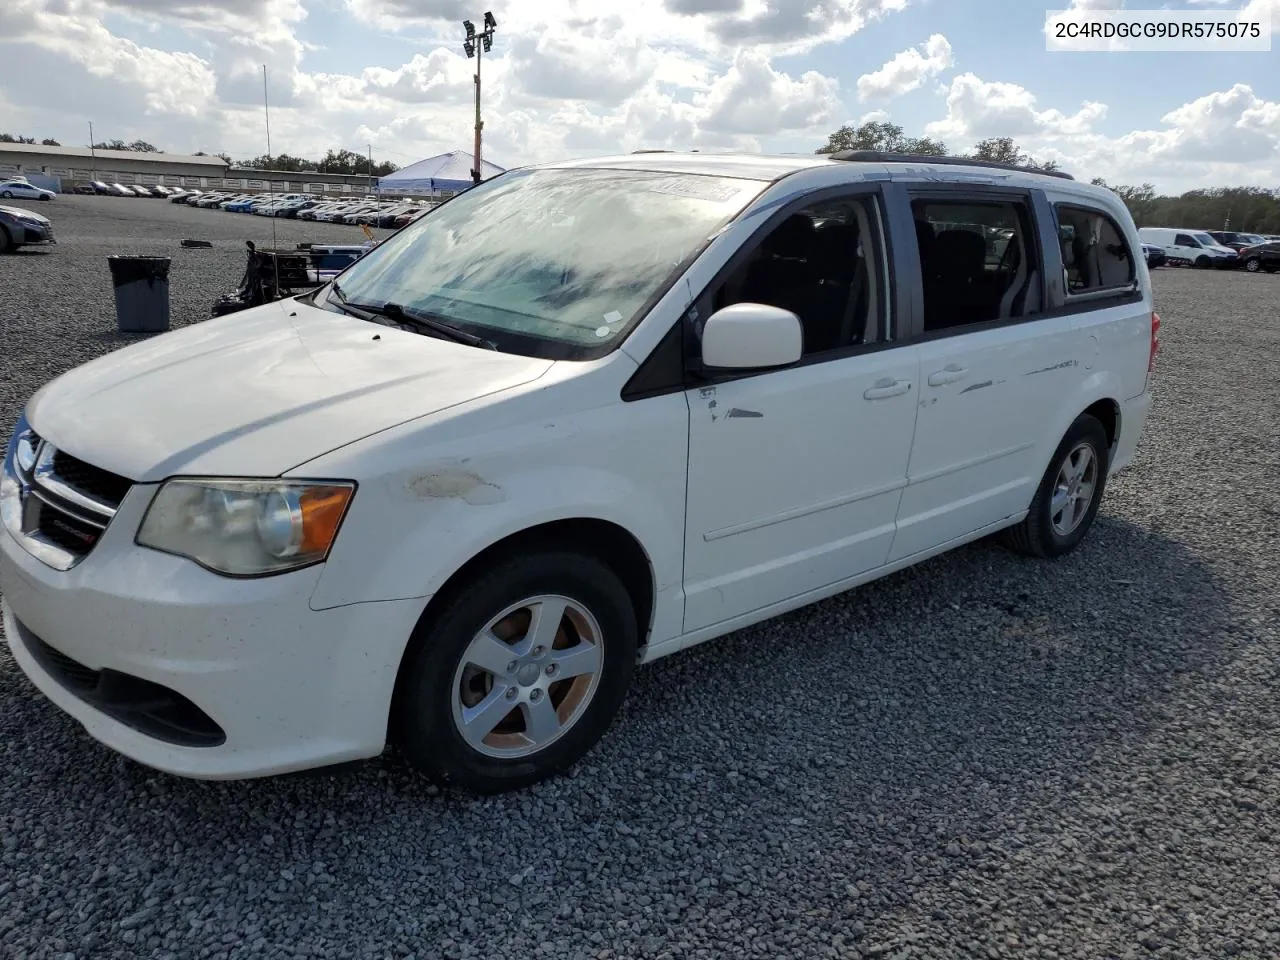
907	71
977	108
752	97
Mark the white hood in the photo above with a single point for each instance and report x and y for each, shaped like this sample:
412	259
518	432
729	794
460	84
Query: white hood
260	392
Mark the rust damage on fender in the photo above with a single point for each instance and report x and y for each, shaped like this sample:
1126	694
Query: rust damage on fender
452	484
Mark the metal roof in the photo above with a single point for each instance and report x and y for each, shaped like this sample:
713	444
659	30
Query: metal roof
85	153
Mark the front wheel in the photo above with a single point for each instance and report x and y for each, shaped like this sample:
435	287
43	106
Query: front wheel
7	194
1203	262
6	243
1253	264
1067	499
520	675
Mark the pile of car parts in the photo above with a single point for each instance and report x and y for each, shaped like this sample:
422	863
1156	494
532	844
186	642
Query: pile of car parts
275	274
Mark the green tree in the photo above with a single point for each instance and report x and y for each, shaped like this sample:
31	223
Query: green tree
15	138
1005	150
50	142
883	136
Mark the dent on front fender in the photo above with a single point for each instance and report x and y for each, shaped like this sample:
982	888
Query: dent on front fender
410	528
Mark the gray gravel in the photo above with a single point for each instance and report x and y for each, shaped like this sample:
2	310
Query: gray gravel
980	757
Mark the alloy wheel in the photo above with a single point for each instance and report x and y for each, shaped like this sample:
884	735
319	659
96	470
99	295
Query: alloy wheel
1073	489
527	677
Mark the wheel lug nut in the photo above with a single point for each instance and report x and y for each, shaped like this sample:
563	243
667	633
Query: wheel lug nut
551	669
511	667
511	693
535	695
538	651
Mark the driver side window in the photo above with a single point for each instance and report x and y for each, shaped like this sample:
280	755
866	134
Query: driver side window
825	264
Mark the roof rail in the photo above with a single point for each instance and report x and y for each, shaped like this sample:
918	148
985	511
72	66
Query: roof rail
652	151
881	156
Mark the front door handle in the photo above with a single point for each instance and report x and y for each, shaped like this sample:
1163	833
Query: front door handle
882	389
948	374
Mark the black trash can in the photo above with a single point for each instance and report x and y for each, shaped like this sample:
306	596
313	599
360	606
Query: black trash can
142	293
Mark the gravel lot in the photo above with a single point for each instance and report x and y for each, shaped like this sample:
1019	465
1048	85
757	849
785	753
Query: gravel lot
984	756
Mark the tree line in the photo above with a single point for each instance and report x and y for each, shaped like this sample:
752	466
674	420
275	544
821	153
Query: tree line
335	161
1243	209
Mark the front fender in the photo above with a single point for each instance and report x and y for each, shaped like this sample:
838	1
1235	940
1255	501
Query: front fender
433	503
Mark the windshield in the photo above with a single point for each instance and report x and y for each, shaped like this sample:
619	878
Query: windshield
550	262
1206	240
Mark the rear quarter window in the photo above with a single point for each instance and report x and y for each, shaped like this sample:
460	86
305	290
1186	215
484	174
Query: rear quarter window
1096	255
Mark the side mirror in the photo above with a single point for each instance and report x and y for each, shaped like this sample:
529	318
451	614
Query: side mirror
750	336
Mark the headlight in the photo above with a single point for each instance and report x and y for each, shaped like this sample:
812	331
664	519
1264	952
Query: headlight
246	528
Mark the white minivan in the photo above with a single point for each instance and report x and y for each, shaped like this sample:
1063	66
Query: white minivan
577	418
1190	248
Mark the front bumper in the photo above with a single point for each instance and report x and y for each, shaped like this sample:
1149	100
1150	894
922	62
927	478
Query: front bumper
287	688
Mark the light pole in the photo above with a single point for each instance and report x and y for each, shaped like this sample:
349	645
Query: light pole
476	45
93	154
370	167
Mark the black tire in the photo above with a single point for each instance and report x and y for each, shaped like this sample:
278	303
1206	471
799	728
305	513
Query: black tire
1036	535
6	242
8	194
423	724
1253	264
1203	262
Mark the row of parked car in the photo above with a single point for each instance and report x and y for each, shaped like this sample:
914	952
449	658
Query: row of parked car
1209	249
391	214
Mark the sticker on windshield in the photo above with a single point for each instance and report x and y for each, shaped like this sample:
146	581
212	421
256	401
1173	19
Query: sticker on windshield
613	316
602	332
696	188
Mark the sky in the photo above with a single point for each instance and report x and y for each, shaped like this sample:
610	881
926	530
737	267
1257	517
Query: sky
579	78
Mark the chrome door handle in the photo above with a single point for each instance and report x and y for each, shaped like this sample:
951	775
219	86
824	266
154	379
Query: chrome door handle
886	388
948	374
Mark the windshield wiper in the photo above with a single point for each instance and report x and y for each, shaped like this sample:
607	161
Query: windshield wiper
398	315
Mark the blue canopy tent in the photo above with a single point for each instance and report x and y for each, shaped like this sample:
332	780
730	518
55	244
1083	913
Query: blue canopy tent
447	173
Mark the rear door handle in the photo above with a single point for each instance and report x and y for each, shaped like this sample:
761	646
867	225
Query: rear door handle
948	374
887	387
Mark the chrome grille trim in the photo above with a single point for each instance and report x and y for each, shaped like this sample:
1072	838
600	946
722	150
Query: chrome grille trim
44	477
38	507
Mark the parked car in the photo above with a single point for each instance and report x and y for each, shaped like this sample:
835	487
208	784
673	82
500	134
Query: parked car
1186	248
581	417
20	227
85	188
119	190
139	190
101	188
23	190
1263	256
1154	254
1235	241
182	195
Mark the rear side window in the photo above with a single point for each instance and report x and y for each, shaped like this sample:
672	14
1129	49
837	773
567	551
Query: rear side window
1095	253
977	261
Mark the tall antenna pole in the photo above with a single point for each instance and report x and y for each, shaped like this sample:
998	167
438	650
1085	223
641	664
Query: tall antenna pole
266	113
476	45
476	173
93	154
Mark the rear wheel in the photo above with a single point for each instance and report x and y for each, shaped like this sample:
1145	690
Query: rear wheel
1067	499
519	675
7	194
1253	264
1203	262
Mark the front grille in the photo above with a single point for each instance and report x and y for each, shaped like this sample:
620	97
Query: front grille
147	707
66	504
67	530
85	477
